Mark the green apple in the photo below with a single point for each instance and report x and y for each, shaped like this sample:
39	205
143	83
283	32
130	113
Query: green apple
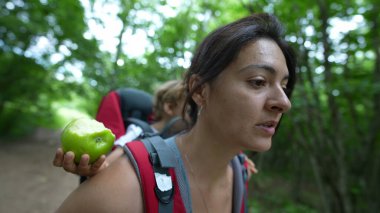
87	136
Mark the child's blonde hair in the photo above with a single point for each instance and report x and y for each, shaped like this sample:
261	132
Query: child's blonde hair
172	92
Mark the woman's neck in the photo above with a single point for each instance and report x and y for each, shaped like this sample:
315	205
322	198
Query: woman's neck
208	157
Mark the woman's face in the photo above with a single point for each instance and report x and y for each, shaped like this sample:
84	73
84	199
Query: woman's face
246	101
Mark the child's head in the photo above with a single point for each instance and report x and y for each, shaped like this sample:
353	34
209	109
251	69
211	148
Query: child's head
168	100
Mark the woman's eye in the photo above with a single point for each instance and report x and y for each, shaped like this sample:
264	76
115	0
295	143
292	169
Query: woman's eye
257	83
285	88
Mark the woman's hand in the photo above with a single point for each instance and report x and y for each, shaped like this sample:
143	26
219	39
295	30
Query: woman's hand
66	161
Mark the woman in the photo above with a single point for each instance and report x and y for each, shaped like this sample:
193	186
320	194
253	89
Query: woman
238	87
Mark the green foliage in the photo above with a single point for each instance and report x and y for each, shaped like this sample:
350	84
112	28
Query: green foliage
276	192
31	33
53	70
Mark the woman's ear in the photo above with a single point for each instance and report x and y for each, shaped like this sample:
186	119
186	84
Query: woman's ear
200	90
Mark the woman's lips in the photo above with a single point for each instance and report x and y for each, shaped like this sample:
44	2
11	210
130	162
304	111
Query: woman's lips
268	127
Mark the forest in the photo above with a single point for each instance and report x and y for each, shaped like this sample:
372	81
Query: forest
59	58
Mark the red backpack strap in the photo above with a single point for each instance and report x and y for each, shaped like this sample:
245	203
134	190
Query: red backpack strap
139	156
154	164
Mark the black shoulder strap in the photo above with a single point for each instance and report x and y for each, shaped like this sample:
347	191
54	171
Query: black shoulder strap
156	144
173	127
240	178
168	125
162	159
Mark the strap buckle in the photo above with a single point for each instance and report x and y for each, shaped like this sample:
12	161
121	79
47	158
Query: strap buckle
164	185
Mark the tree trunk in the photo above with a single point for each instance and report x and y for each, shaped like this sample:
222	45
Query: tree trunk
373	149
338	184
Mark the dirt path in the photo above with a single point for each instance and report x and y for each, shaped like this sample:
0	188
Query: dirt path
28	181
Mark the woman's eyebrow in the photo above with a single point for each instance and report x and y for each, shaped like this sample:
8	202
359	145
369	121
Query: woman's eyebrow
265	67
258	66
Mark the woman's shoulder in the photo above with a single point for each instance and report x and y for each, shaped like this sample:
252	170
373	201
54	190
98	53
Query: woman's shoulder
115	189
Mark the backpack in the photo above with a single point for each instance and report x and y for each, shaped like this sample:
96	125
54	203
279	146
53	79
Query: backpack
122	107
159	183
125	106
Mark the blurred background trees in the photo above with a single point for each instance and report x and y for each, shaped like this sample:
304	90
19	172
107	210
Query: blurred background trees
325	158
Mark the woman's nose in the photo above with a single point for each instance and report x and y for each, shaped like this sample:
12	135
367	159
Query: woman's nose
279	101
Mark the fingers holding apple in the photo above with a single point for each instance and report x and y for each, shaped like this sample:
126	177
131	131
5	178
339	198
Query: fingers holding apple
58	158
66	161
